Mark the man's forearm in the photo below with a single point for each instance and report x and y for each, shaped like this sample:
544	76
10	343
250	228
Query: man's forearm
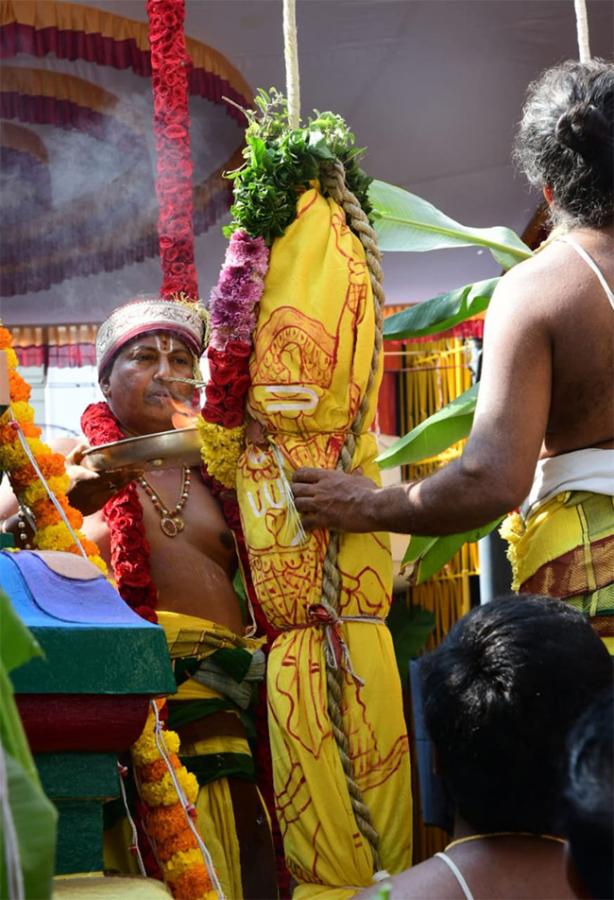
450	501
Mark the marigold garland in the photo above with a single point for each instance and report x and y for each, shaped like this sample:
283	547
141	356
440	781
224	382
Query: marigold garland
164	819
51	531
221	448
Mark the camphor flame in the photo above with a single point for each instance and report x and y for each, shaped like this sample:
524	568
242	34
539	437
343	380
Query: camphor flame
184	416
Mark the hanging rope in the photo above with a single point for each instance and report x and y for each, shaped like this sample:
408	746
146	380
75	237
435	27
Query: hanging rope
333	182
584	50
293	84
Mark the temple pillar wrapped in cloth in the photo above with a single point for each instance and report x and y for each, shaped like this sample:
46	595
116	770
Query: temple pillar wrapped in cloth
311	376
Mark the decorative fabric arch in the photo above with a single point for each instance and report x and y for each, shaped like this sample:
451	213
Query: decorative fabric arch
98	230
73	32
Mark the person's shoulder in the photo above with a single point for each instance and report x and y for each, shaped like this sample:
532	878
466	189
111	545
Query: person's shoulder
430	878
541	277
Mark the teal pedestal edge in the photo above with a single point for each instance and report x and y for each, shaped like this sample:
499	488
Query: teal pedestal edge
78	784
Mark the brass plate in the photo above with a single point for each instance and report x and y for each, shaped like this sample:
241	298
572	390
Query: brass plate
164	450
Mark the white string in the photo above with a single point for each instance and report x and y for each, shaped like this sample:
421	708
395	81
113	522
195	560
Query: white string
184	802
294	524
135	836
14	875
43	480
584	49
293	85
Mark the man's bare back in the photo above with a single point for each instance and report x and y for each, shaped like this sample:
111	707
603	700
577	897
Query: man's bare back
581	330
547	388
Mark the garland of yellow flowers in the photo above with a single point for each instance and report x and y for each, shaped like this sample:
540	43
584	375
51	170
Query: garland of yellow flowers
177	848
51	532
165	817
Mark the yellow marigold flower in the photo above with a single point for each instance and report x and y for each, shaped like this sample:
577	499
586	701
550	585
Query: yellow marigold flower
221	449
189	783
99	562
11	457
145	750
22	411
53	537
11	357
161	793
164	793
180	862
59	484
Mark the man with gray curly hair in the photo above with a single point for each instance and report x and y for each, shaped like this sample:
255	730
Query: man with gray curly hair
543	434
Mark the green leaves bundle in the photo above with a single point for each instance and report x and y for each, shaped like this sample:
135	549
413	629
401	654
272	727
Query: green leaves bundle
280	162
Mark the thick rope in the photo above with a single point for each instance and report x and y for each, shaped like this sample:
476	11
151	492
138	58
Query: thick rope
584	50
333	181
293	84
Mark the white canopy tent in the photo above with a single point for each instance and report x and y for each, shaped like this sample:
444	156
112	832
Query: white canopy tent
433	89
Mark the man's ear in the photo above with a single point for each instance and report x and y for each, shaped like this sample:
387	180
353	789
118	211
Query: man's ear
548	195
105	387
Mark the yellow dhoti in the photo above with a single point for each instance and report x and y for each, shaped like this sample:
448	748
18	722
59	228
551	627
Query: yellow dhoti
565	549
214	758
309	372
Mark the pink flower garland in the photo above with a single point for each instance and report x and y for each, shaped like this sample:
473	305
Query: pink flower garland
239	288
233	309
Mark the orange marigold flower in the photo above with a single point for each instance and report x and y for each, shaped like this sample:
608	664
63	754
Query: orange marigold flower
194	882
89	546
185	840
156	770
30	430
166	821
49	463
6	338
45	513
19	390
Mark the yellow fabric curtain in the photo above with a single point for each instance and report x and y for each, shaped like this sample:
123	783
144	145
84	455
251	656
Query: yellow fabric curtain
431	373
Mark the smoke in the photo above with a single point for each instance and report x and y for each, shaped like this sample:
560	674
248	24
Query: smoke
92	242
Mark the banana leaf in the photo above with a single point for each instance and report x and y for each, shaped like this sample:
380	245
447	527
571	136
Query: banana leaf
33	816
404	221
441	312
410	629
435	434
426	555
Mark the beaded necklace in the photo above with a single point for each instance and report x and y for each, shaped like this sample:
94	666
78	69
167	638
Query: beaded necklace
171	523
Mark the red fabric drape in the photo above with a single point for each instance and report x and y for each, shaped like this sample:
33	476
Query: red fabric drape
107	51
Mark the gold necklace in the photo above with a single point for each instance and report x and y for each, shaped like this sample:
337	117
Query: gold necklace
171	522
479	837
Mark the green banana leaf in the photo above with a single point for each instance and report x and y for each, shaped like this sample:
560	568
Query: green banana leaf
404	221
441	312
34	816
410	629
427	555
34	819
435	434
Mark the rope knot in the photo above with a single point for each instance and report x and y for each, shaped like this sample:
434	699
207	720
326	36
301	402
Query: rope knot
336	650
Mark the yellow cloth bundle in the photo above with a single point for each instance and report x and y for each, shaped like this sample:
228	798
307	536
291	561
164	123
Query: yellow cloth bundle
309	372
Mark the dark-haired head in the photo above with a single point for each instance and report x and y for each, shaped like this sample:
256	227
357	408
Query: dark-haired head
589	797
501	693
565	141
